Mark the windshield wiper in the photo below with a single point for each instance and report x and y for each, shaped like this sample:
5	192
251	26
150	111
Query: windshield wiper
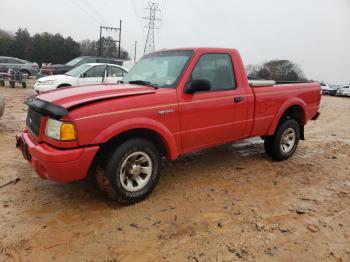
142	82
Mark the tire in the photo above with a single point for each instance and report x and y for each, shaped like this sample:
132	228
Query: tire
12	84
284	142
124	179
24	85
25	72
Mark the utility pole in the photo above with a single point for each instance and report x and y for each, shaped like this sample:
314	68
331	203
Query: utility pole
153	9
135	51
117	41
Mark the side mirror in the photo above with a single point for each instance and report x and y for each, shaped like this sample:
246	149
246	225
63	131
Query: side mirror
83	75
198	85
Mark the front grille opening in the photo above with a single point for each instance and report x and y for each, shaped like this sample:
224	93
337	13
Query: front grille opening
33	121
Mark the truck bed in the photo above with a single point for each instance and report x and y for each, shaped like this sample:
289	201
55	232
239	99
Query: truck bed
267	110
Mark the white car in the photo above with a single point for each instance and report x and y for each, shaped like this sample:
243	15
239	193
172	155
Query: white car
344	91
86	74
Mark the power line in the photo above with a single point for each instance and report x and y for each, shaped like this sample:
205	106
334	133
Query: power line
95	11
84	11
137	14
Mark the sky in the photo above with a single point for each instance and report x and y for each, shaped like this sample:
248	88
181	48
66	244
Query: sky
315	34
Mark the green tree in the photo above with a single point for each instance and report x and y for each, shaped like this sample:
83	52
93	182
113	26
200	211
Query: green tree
23	44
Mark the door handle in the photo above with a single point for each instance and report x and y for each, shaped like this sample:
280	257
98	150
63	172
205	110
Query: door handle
238	99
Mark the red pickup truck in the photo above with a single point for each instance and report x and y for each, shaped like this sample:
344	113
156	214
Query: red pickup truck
171	103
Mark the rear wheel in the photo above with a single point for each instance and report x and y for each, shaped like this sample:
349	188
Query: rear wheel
132	172
284	142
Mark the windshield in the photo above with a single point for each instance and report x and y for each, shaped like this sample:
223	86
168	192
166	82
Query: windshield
161	69
78	70
75	61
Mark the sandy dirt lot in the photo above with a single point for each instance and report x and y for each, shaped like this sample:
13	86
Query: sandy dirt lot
230	203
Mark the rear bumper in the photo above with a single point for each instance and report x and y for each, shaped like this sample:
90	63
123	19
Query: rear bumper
56	164
316	116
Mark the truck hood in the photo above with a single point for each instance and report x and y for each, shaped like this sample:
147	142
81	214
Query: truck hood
74	96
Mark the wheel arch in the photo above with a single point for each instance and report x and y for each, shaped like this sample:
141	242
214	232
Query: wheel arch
25	71
63	85
151	130
294	108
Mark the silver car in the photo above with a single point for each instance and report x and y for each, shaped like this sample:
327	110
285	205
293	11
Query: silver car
2	105
24	66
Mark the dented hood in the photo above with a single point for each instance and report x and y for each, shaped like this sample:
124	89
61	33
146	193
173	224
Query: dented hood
74	96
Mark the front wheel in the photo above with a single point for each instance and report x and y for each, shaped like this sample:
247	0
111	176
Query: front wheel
133	171
284	142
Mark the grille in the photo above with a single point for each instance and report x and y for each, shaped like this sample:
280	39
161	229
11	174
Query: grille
33	121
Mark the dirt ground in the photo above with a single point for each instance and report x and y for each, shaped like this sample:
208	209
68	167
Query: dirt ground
230	203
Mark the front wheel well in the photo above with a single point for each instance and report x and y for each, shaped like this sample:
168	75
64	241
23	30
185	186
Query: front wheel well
63	85
106	149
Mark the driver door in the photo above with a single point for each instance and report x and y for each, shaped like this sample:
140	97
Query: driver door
93	75
212	117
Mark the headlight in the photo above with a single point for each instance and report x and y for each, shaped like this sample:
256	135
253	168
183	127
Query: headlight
58	130
48	82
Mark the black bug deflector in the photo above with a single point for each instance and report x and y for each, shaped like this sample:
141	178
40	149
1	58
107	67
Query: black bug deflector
46	108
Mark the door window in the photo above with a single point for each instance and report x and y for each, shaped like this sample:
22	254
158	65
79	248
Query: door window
96	71
14	61
114	71
217	69
87	61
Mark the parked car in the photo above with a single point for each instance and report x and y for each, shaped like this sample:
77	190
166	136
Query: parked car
85	74
59	69
329	89
24	66
171	103
2	105
344	91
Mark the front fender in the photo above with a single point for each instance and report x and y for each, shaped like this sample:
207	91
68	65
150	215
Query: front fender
141	123
294	101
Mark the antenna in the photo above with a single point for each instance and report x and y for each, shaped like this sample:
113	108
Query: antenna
154	10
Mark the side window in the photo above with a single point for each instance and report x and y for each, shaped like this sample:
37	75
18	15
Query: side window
3	60
114	71
101	60
218	69
88	60
96	71
14	61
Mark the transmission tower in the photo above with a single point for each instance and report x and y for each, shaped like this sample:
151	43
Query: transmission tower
154	10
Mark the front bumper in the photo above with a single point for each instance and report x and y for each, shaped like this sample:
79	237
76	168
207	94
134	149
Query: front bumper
40	88
56	164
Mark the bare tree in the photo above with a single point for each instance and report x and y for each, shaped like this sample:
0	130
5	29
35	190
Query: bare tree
279	70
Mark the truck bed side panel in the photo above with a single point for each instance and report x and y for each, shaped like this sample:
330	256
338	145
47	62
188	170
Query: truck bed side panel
272	101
